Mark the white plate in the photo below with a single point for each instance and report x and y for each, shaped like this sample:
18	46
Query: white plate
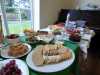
46	38
4	53
50	67
21	65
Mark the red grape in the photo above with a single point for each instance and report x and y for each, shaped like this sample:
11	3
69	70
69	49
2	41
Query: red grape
10	69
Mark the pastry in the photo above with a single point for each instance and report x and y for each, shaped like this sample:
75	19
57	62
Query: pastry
37	56
17	49
50	54
63	55
52	49
52	59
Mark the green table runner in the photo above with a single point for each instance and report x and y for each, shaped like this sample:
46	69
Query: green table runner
67	71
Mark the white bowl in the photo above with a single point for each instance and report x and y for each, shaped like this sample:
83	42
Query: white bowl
46	38
15	40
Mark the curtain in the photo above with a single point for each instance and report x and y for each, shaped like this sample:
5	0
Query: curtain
1	31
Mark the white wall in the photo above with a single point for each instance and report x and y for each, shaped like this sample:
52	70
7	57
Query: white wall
85	2
50	8
90	1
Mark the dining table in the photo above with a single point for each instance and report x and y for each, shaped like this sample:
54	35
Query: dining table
74	68
86	35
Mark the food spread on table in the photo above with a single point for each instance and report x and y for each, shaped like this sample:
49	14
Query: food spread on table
44	54
73	34
38	37
10	68
30	34
50	54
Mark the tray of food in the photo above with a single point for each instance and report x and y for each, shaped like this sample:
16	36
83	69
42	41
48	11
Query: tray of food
16	50
33	37
51	58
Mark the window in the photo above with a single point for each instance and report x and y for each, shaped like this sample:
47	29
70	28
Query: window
18	15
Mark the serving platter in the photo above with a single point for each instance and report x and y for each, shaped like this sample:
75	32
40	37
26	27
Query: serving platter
4	52
49	68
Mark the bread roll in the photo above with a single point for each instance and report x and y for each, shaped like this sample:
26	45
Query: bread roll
38	57
52	59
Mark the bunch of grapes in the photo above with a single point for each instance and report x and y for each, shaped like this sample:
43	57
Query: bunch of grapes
75	37
10	69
